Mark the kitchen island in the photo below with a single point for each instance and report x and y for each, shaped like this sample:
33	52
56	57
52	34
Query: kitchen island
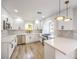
60	48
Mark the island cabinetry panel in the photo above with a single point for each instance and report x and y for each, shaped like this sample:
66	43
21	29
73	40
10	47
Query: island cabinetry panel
49	52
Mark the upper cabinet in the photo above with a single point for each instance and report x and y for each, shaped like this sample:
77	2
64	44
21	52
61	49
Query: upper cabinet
8	22
67	25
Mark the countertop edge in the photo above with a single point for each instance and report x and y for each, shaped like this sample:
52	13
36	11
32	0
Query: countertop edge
65	53
55	48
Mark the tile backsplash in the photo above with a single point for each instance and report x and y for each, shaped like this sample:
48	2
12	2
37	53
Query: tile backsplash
67	33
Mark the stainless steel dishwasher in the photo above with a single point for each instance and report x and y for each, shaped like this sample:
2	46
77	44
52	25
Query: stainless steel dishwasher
21	39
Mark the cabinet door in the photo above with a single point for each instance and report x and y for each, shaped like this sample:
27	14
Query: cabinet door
10	49
49	52
4	51
68	25
62	25
59	55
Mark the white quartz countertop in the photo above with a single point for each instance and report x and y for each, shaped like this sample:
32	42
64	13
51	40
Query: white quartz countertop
64	45
8	39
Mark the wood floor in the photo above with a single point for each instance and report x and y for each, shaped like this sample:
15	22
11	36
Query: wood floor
29	51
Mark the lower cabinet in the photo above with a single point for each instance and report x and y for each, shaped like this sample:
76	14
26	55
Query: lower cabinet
49	52
12	46
59	55
7	49
32	37
52	53
4	50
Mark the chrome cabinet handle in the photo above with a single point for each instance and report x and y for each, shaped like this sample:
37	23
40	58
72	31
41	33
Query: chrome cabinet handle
62	27
11	45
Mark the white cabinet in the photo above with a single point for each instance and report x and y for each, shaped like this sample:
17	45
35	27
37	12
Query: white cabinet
59	55
7	48
11	47
32	37
52	53
62	25
66	25
49	52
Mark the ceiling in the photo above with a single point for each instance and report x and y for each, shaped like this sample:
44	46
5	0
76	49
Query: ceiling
28	8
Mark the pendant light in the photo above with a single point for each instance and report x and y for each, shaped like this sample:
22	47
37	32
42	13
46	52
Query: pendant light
67	11
60	17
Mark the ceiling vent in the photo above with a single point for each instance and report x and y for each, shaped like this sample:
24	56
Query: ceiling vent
39	12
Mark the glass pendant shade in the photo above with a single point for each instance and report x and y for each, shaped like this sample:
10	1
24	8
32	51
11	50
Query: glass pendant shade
60	18
67	19
63	18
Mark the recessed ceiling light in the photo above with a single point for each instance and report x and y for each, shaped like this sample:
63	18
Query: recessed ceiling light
67	19
43	16
37	22
15	10
19	19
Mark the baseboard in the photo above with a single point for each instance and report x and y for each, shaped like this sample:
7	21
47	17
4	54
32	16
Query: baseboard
33	42
21	44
